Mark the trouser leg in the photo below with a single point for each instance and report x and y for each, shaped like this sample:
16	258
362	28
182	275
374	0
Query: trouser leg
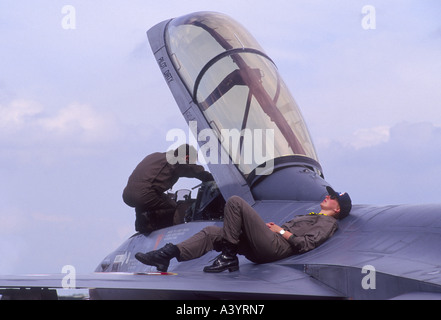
156	212
208	239
240	217
244	226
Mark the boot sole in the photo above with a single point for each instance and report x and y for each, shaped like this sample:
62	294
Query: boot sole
230	269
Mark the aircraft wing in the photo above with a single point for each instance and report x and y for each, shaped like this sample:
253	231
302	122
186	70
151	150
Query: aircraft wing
251	282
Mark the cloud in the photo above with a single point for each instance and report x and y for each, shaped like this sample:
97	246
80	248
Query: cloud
21	114
28	130
363	138
14	116
385	165
79	120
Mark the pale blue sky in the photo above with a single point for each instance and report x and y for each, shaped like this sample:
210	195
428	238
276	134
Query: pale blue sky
80	108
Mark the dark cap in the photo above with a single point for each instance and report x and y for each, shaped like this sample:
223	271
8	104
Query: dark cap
344	200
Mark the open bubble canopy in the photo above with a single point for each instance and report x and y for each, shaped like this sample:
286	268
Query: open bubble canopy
237	87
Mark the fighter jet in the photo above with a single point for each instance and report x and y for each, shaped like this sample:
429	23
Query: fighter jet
257	146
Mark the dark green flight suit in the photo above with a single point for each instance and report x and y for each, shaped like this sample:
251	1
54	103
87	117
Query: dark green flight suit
153	176
243	226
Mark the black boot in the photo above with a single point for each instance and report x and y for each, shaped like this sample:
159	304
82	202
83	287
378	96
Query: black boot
226	260
159	258
144	222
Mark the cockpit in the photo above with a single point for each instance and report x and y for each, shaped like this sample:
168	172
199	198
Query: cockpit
224	81
239	90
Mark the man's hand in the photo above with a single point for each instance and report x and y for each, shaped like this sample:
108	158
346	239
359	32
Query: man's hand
273	227
276	229
206	176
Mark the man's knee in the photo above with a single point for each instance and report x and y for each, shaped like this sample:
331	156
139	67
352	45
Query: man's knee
214	234
235	201
212	231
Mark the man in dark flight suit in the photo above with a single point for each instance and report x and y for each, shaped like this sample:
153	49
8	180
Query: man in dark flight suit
244	232
153	176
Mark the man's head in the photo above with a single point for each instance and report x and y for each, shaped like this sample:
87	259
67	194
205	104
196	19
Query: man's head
186	154
337	204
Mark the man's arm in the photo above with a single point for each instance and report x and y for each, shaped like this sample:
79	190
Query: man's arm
275	228
193	171
310	240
